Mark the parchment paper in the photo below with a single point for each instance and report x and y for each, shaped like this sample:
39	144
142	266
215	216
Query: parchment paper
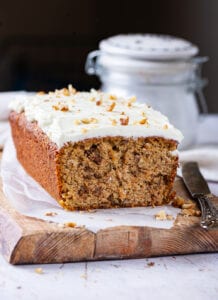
30	199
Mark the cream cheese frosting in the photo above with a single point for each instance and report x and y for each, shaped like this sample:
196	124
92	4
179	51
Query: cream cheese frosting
70	116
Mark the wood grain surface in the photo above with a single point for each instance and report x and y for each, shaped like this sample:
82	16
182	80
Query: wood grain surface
25	240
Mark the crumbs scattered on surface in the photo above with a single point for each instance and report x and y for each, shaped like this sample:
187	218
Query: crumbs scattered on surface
39	271
161	215
50	214
70	224
188	207
111	107
150	264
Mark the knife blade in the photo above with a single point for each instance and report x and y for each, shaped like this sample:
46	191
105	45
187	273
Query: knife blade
199	190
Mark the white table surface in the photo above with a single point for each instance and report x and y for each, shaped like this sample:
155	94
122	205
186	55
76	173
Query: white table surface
174	277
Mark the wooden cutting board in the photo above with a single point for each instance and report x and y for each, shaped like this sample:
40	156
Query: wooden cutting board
25	240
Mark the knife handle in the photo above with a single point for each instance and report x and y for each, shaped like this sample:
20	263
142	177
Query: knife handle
209	213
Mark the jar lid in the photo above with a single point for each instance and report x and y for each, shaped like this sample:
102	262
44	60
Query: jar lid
149	46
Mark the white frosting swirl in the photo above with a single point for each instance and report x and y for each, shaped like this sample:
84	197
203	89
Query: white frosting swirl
67	115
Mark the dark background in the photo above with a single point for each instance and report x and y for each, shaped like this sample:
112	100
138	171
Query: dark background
44	44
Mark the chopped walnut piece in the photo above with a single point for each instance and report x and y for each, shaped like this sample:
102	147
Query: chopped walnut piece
143	121
41	93
114	122
132	99
165	126
189	207
65	92
111	107
178	202
89	120
98	103
122	113
50	214
55	107
124	121
113	97
84	130
65	108
39	270
77	122
60	107
70	224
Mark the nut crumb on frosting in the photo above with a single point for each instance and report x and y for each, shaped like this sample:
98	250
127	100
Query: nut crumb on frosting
165	126
77	122
113	122
60	107
112	97
66	92
89	120
143	121
111	107
65	108
84	130
124	121
132	99
98	103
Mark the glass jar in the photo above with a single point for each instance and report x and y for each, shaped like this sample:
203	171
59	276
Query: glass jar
163	73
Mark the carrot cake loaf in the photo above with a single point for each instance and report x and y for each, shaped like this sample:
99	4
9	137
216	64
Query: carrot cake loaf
96	150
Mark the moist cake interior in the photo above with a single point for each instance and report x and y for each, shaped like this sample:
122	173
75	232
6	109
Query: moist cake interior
116	172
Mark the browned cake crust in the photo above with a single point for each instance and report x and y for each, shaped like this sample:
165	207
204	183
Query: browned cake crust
99	172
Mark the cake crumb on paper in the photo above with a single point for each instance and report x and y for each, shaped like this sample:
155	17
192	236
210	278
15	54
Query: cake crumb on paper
50	214
161	215
39	271
70	224
150	264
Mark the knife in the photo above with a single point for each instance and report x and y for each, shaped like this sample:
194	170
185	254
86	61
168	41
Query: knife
199	190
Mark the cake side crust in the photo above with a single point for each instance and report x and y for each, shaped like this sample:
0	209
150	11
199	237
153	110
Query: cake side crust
36	153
